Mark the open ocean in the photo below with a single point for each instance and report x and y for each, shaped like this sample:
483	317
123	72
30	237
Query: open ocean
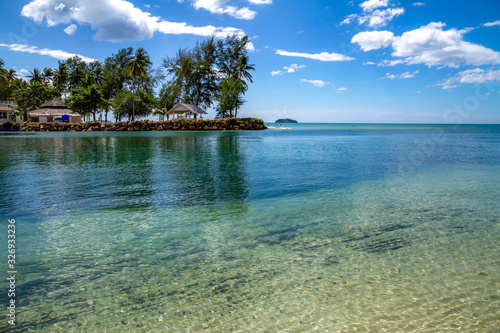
317	228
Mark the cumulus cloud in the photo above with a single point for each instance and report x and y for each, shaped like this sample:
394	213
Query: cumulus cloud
316	83
57	54
115	20
371	5
472	76
405	75
291	69
221	7
380	18
373	40
261	2
323	56
70	30
294	67
372	16
429	45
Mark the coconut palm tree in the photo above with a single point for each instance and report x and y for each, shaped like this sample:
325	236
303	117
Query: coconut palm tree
60	78
243	75
138	69
36	76
47	74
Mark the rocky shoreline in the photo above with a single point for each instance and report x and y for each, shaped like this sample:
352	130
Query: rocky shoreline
228	124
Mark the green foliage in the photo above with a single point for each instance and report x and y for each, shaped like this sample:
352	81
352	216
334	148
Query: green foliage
168	97
126	103
30	96
212	71
138	68
229	97
87	100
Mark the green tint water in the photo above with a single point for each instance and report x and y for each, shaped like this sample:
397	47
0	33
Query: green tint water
329	228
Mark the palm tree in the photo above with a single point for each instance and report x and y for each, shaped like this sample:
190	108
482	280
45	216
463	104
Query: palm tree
138	69
47	74
243	75
60	78
36	76
11	76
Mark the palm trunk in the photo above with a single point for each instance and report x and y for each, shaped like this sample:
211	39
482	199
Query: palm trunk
133	105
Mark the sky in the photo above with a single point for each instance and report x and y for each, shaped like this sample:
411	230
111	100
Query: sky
339	61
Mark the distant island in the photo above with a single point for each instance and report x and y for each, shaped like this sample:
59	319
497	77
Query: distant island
287	120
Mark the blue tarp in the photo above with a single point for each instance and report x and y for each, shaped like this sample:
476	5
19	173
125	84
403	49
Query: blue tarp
64	118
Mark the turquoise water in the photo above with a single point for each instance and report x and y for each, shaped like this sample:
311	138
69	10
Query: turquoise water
320	227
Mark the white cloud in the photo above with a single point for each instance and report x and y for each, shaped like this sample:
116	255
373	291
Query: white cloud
380	18
492	24
261	2
429	45
371	5
220	7
57	54
316	83
70	30
392	62
405	75
291	69
22	73
294	67
342	90
115	20
472	76
372	16
373	40
418	4
323	56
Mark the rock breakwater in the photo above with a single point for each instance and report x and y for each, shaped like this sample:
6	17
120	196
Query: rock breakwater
228	124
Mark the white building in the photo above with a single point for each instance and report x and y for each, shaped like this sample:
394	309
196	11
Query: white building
8	112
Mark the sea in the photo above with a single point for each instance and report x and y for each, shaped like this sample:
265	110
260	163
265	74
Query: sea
298	228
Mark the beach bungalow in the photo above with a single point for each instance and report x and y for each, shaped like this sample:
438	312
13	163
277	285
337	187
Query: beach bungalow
7	111
186	111
54	111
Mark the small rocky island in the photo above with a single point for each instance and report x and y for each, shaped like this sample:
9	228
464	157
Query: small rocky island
287	120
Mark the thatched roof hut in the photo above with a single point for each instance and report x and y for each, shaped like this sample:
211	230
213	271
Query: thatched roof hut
55	110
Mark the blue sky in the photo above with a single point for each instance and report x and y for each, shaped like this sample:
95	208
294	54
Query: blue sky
316	61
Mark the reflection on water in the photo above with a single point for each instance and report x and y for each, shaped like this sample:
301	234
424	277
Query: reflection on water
56	174
274	231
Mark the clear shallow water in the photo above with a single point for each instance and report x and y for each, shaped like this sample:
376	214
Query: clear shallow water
319	228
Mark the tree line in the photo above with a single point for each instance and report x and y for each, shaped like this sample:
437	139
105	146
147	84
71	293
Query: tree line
214	73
